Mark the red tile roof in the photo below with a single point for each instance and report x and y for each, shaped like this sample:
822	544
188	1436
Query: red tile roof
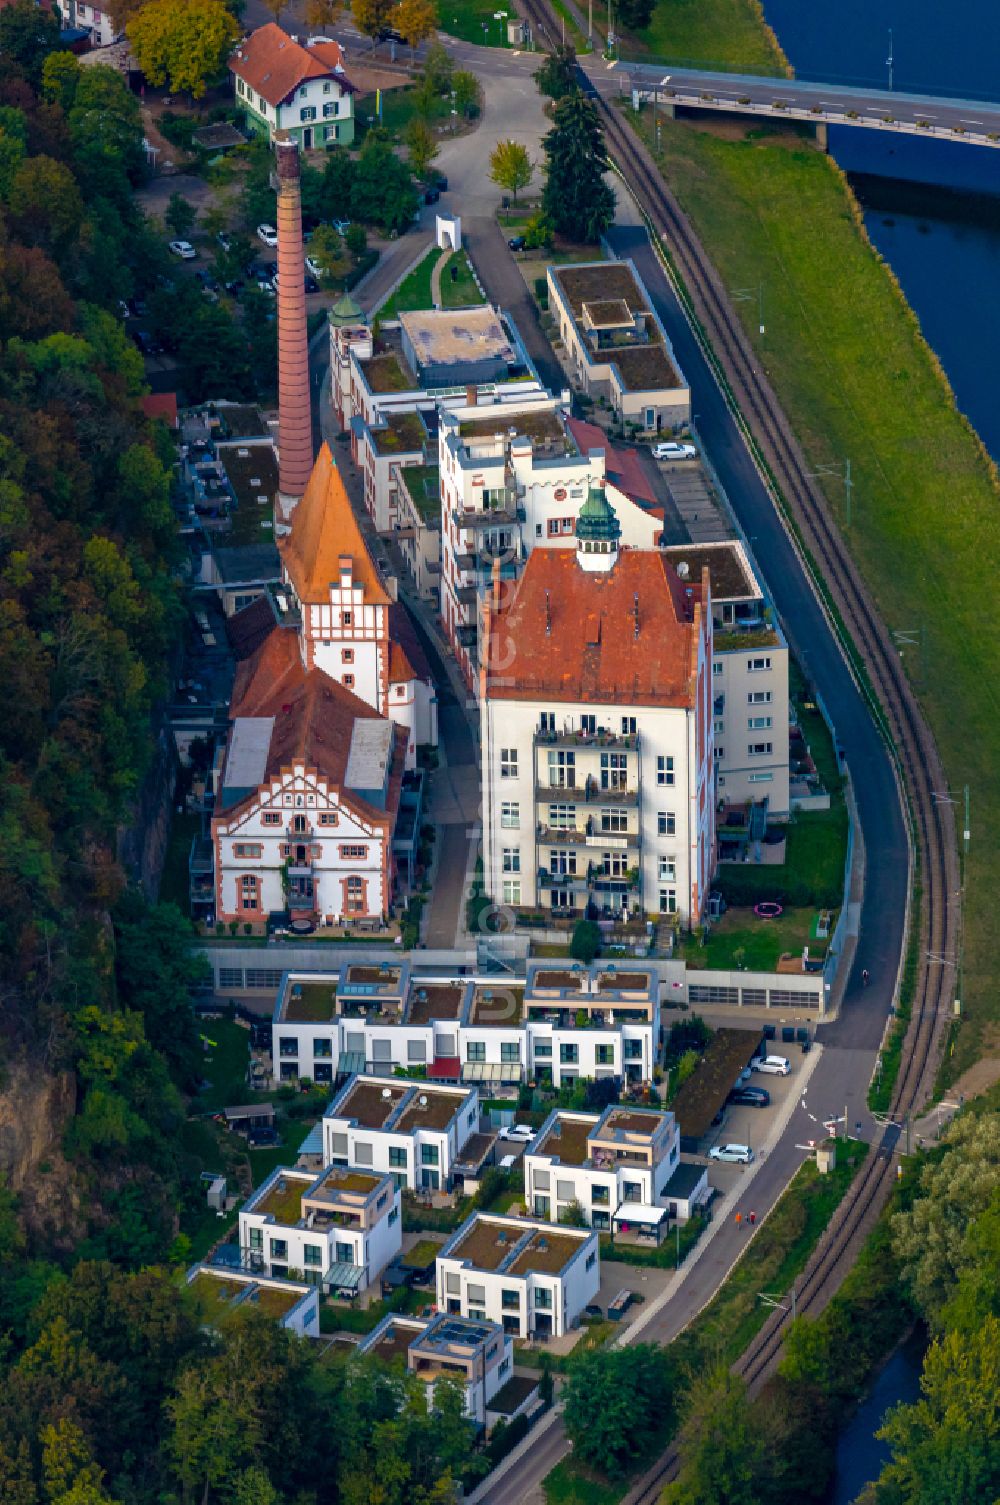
623	466
274	66
590	651
324	528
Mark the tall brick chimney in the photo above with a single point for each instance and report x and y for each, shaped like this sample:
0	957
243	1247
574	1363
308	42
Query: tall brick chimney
295	444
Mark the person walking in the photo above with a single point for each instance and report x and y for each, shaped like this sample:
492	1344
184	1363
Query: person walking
739	1219
753	1219
864	977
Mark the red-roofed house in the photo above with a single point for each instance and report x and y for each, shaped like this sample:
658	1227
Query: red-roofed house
283	85
597	744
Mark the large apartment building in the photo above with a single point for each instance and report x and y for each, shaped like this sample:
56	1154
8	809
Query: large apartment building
512	481
532	1280
597	731
559	1024
749	676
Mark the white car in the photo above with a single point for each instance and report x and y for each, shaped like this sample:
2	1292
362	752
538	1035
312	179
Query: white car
772	1065
268	234
674	451
522	1132
184	249
313	268
733	1154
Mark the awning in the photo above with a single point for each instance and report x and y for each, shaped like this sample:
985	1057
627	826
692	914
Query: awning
445	1068
313	1142
350	1062
640	1212
344	1277
491	1071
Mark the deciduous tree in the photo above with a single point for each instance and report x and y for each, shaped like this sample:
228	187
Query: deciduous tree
421	145
183	43
180	215
467	92
722	1452
511	167
320	13
415	20
370	16
28	35
617	1401
577	200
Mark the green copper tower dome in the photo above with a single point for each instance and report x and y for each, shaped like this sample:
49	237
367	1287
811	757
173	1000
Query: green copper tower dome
598	532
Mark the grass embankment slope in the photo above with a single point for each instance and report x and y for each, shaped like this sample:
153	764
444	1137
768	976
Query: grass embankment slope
856	378
730	35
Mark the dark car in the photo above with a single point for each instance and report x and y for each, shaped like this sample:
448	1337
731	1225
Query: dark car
145	342
312	286
517	243
432	195
749	1097
389	34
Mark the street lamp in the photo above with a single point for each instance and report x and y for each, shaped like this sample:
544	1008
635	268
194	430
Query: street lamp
890	60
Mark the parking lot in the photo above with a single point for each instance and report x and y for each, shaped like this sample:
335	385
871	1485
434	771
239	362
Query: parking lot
694	498
752	1126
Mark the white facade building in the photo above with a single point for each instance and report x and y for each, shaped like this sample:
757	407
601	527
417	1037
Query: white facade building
304	90
479	1355
219	1291
615	1165
338	1230
596	732
531	1279
413	1132
93	18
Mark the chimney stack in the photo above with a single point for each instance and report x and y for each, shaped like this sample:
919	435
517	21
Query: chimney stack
295	442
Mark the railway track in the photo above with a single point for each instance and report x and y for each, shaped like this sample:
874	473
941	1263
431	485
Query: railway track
920	773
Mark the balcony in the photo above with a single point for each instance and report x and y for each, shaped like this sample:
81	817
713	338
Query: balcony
588	836
587	793
601	740
576	882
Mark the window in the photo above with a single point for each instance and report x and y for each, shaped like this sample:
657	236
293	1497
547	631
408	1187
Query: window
628	726
510	1300
553	527
328	818
562	817
759	749
759	778
668	901
475	1050
588	725
353	853
512	891
270	818
397	1155
239	602
758	697
718	753
248	849
348	681
716	666
279	1248
288	1045
512	859
508	762
230	977
354	896
344	1253
303	91
614	820
614	864
758	723
632	1050
631	1191
562	861
326	88
614	771
755	665
312	1254
323	1049
543	1299
569	1055
547	721
510	1050
347	655
510	815
604	1055
667	870
600	1196
256	1238
429	1154
299	825
393	1216
562	769
664	770
719	726
308	113
543	1050
248	891
666	823
345	619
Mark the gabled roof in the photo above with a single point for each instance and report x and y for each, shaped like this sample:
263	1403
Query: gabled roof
246	630
273	65
314	719
407	659
568	634
323	529
622	465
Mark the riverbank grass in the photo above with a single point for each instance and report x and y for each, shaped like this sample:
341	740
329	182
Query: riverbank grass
729	35
857	380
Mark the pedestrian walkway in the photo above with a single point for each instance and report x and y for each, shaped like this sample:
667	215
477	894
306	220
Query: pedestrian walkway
442	262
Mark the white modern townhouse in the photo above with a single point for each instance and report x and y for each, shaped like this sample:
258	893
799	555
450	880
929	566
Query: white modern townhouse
532	1279
479	1355
413	1132
219	1292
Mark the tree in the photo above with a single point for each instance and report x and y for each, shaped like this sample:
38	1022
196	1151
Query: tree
538	233
60	75
275	7
326	249
383	192
438	69
180	215
467	94
721	1448
617	1402
45	205
510	166
635	14
930	1239
421	146
946	1446
28	35
356	240
183	43
370	16
415	20
122	11
586	941
322	13
573	1215
557	76
576	199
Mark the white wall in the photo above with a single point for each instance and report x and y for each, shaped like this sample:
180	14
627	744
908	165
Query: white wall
740	775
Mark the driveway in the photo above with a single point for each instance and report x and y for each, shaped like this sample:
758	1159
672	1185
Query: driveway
505	287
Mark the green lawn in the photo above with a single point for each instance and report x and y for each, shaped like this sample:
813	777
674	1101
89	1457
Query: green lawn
857	380
462	292
224	1066
761	941
465	19
724	34
398	109
414	292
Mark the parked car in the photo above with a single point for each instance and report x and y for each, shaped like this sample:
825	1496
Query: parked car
732	1154
523	1132
184	249
264	285
517	243
268	234
144	340
772	1065
313	268
672	451
312	286
749	1097
388	34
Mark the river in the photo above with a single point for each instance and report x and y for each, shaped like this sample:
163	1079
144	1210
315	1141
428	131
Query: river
860	1455
943	240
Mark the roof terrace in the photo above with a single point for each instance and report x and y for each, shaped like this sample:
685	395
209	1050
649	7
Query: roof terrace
400	433
567	1139
281	1195
497	1003
513	1246
309	1001
430	1110
427	1001
337	1182
370	1103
